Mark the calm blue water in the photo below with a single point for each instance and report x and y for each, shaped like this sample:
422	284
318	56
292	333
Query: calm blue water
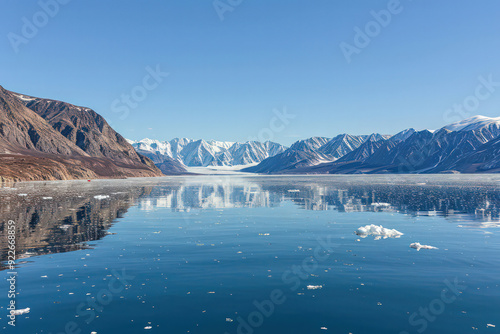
256	255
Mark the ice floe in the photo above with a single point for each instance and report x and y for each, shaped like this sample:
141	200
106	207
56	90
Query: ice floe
418	246
378	232
20	311
314	287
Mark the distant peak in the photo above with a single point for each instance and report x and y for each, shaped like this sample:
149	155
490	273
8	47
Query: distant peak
472	123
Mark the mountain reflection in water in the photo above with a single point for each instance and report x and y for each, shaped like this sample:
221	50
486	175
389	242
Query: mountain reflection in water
65	216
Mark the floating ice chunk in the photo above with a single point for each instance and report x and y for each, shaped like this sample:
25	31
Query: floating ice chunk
418	246
378	231
20	311
99	197
314	287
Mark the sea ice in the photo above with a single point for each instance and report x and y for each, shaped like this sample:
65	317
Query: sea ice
20	311
418	246
314	287
378	231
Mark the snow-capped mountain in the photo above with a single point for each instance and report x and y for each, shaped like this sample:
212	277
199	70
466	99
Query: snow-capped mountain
485	127
465	146
310	144
201	153
403	135
311	152
365	150
342	144
471	145
473	123
253	152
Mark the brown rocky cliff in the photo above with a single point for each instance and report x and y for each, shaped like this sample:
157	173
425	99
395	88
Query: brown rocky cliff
58	141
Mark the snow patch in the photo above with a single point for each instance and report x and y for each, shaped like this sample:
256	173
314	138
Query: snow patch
24	97
100	197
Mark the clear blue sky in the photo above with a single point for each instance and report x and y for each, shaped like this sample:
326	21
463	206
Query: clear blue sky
227	76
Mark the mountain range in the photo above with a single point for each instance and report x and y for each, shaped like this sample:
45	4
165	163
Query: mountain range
202	153
43	139
467	146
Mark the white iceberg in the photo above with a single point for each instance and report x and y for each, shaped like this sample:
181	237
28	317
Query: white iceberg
314	287
418	246
378	231
20	311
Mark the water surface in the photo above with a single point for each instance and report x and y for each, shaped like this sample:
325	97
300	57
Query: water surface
249	254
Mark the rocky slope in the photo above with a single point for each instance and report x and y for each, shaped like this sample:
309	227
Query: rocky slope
43	139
